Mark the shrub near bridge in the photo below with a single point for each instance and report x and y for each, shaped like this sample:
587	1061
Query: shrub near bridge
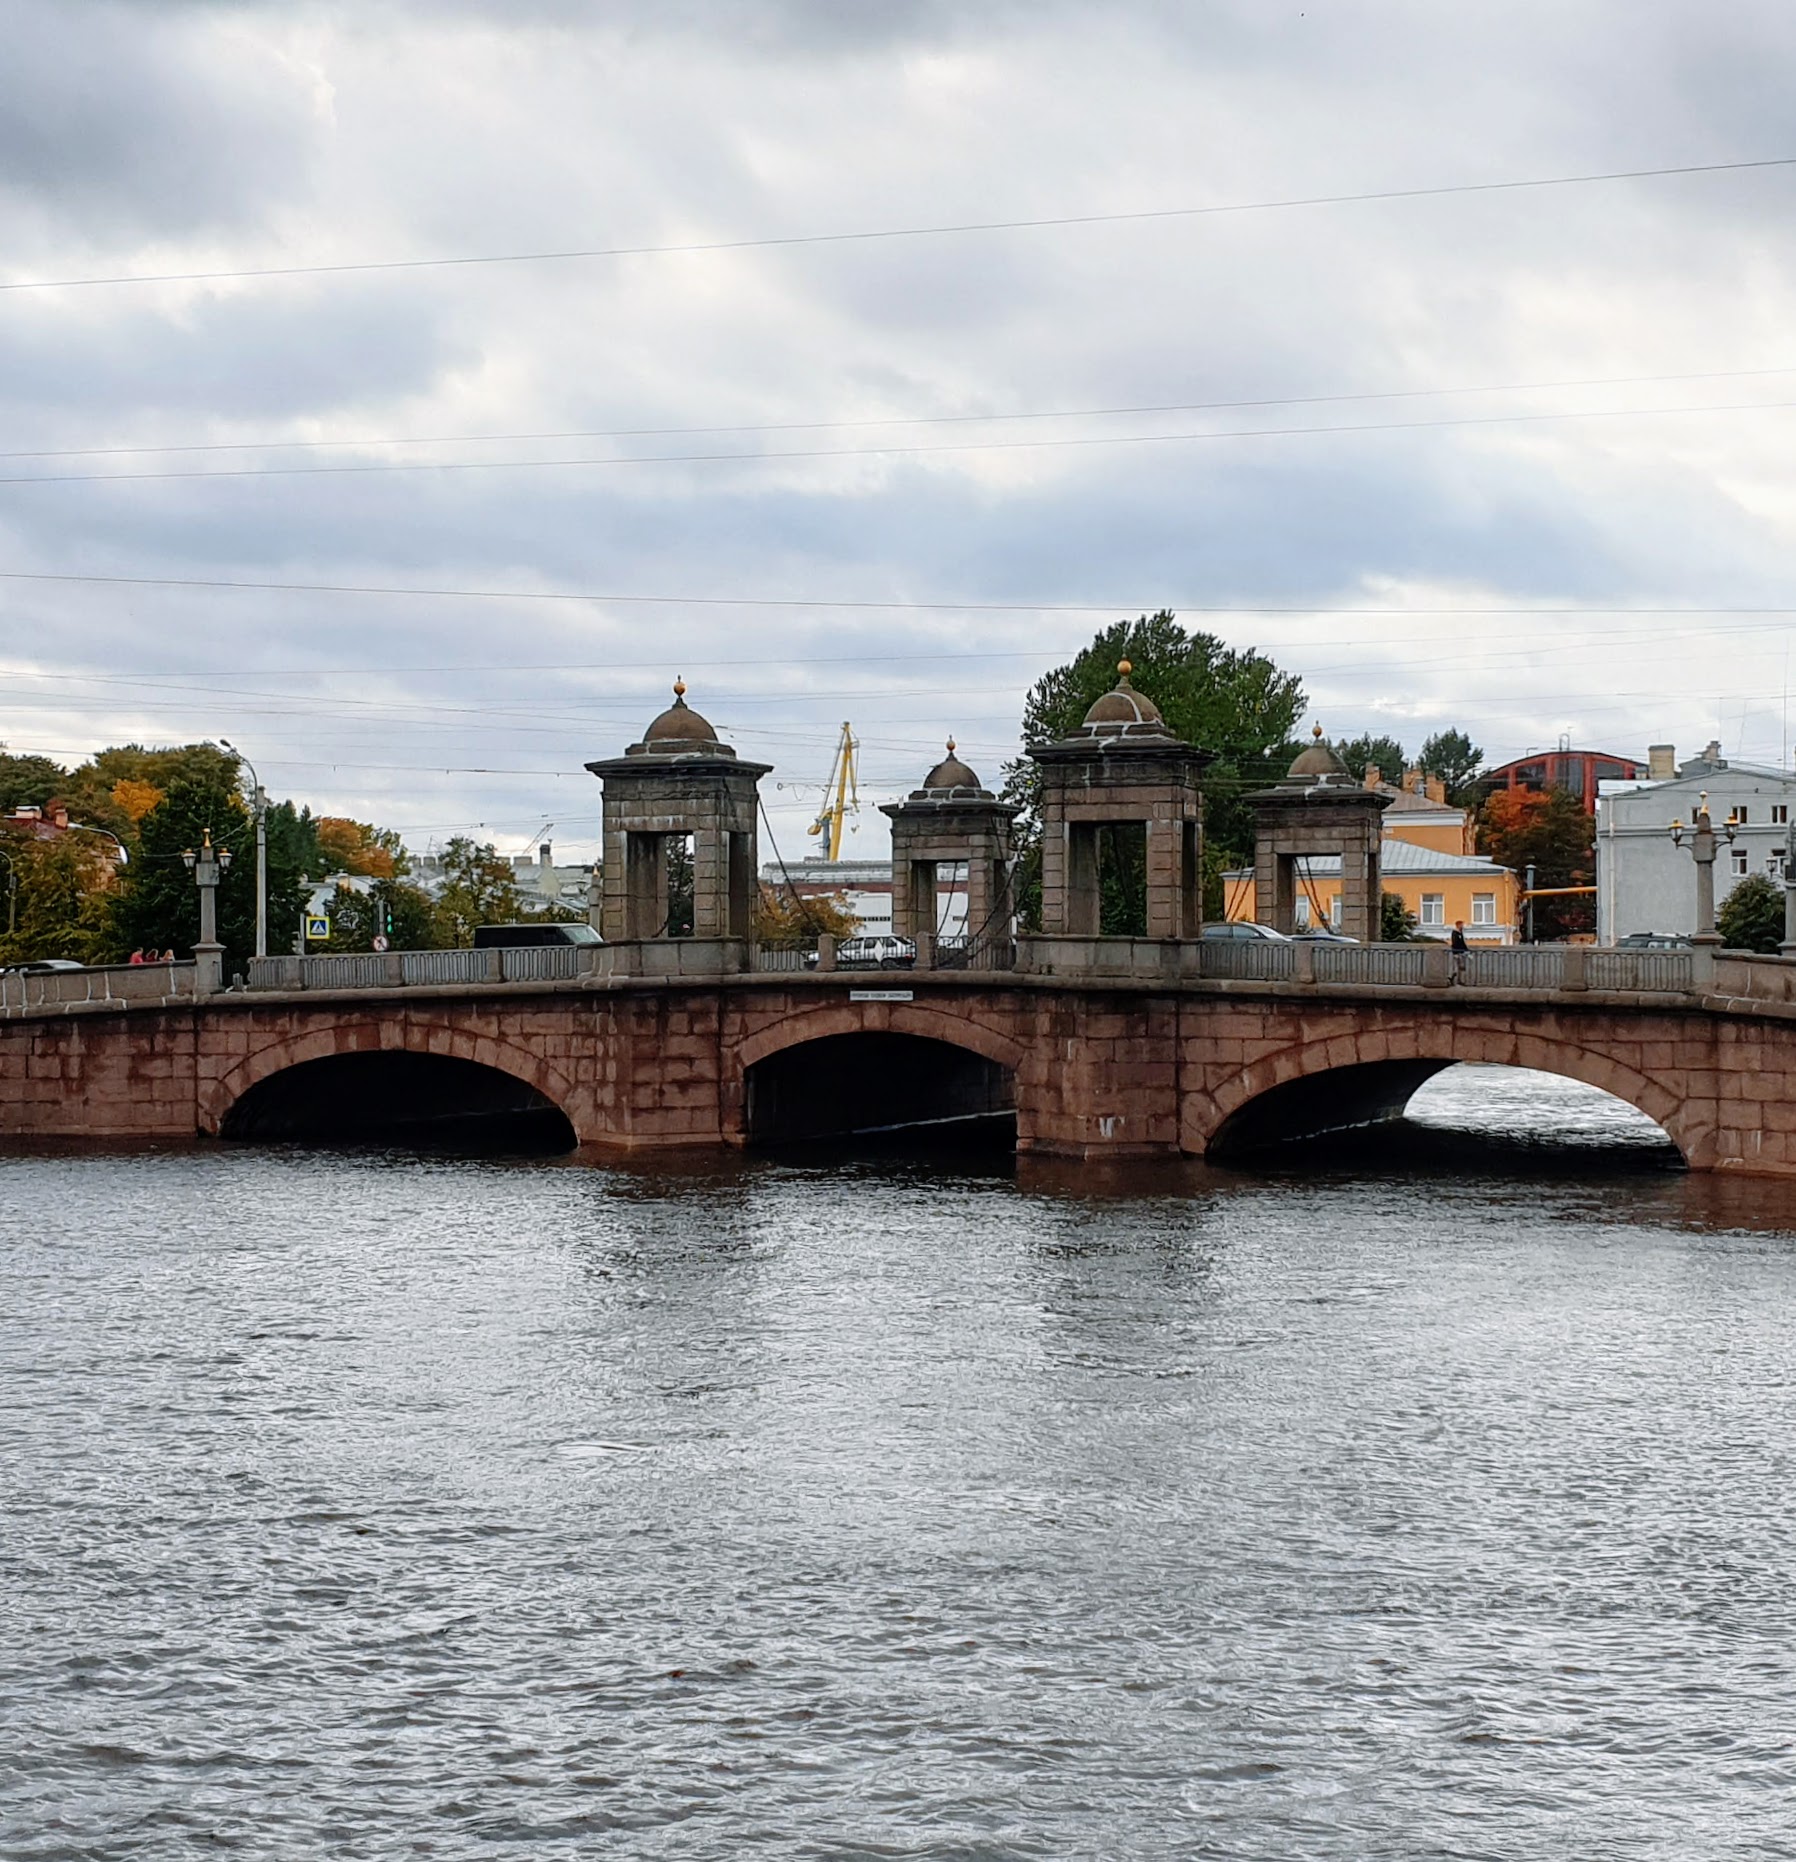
1752	916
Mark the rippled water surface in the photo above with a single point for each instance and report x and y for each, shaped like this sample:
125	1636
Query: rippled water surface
1432	1503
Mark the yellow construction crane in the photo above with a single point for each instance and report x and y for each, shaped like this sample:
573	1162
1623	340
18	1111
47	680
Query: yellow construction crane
840	796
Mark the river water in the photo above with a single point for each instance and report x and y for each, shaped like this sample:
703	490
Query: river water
1432	1500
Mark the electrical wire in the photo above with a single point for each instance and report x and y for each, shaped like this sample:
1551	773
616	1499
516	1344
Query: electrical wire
1064	443
907	420
1046	222
1125	608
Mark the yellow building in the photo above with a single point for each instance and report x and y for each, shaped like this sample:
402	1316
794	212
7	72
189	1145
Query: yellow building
1427	860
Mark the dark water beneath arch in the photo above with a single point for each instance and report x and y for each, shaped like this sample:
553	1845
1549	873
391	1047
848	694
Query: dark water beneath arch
378	1505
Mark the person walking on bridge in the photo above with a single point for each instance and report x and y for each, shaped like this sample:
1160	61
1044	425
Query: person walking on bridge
1462	951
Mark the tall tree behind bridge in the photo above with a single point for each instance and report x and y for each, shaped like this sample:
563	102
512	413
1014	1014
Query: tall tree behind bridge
158	902
1548	830
1233	702
1384	754
1456	760
479	888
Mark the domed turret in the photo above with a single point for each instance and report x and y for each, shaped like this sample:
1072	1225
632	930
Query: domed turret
951	774
1316	762
680	731
1124	708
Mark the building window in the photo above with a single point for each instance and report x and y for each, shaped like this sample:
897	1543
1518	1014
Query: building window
1740	858
1303	912
1741	813
1334	912
1780	814
1434	908
1484	908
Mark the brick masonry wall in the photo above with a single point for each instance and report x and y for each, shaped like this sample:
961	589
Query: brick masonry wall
1100	1071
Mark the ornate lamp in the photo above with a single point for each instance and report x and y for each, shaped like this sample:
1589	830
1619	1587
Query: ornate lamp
1705	845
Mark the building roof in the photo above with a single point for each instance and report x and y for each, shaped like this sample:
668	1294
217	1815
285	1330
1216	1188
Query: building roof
1412	802
1397	857
680	731
1697	779
1316	762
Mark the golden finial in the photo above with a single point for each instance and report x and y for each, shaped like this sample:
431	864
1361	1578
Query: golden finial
1317	733
679	688
950	746
1124	668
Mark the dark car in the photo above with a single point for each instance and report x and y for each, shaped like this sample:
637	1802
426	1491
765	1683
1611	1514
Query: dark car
1652	940
532	937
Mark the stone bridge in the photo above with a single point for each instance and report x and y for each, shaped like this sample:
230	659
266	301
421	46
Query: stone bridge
1158	1048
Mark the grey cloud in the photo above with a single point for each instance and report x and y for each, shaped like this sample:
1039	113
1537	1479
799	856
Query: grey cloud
136	120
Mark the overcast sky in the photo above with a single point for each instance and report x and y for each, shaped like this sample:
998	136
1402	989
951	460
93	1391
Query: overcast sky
1437	563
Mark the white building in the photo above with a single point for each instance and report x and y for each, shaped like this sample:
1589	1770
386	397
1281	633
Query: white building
1644	882
866	885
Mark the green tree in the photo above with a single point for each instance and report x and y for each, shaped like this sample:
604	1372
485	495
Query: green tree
404	914
1385	754
1396	922
158	904
1456	760
1234	703
90	790
58	898
1752	915
479	888
29	781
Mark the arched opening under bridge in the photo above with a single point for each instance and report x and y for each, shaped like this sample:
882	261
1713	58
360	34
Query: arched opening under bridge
394	1097
1431	1113
878	1085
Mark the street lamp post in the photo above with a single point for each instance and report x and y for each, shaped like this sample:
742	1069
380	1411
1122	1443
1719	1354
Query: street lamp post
1788	946
259	806
1705	844
206	865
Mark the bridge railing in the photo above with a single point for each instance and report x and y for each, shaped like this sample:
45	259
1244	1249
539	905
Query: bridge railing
1255	960
1525	967
1673	971
121	982
783	956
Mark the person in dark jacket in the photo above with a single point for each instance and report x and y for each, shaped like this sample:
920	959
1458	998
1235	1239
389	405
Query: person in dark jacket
1461	950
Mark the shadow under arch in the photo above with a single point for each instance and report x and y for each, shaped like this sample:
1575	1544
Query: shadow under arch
871	1082
397	1096
1323	1089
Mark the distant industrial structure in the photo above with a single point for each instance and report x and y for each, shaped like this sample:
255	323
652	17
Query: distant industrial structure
1581	772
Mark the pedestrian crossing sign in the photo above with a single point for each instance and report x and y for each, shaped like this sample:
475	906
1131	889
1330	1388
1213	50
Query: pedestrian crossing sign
317	927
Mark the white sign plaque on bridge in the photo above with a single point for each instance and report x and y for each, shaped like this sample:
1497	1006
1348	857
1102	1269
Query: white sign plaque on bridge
881	995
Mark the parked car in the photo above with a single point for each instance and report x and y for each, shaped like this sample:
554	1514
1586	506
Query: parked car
1317	934
875	953
532	937
43	966
1240	930
1652	940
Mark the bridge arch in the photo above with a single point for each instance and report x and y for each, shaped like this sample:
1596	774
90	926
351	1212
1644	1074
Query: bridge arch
1393	1062
841	1069
439	1055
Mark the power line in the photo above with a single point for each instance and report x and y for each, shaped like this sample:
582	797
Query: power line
1118	608
1060	444
897	232
907	420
